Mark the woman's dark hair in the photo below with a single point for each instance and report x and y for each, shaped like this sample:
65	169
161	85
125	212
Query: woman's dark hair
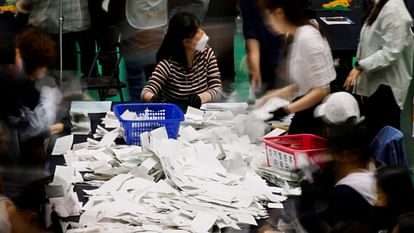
396	183
349	138
373	11
182	26
7	51
295	10
36	48
405	223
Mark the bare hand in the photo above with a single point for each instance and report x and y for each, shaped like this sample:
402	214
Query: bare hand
352	79
56	128
256	82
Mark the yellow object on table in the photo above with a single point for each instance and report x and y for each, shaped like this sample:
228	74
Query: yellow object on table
9	8
337	3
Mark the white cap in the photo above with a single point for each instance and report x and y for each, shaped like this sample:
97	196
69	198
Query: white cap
337	108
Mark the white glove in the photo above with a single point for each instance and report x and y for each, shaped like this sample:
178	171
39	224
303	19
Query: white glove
44	114
50	96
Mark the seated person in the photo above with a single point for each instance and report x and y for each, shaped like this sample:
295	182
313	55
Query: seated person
343	192
395	192
405	223
354	193
25	212
187	73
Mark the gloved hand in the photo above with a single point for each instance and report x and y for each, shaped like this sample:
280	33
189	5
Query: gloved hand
194	101
279	114
156	98
50	96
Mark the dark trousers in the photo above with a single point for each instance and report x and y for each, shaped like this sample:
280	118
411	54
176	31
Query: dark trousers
69	51
380	109
305	122
106	35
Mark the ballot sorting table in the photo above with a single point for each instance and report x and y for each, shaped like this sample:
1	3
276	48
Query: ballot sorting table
80	188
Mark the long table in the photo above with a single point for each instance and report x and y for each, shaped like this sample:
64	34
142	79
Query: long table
343	39
95	119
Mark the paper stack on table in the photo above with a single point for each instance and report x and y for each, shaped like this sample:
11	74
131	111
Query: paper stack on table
210	180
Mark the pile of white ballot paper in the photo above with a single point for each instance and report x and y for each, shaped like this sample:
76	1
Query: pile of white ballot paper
204	181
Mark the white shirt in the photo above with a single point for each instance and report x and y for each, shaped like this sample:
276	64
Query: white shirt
385	52
310	60
362	182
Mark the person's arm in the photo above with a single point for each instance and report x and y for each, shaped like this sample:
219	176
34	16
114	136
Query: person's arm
156	82
43	115
213	79
312	98
253	63
288	93
251	18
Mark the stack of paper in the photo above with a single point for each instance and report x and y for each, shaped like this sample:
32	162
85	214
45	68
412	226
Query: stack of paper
210	181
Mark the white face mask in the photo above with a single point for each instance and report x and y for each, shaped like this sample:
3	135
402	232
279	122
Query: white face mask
201	44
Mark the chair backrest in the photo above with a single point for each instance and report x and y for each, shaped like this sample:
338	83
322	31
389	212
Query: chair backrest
388	147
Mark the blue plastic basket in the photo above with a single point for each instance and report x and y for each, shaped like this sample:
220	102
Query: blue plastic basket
168	115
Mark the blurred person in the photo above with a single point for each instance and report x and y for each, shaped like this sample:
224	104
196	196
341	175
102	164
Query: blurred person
405	223
24	212
28	111
106	35
76	30
309	64
142	25
346	180
384	67
262	47
196	7
354	193
395	192
187	73
9	23
220	23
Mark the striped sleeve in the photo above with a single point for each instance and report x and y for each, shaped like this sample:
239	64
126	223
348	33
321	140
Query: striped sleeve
158	78
213	76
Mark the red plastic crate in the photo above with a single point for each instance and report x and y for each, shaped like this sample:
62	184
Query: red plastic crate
281	150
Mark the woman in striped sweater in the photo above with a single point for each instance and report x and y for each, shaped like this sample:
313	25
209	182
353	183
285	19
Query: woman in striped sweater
187	73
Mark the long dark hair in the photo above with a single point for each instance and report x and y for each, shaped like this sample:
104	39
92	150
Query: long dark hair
295	10
350	138
182	26
373	11
397	185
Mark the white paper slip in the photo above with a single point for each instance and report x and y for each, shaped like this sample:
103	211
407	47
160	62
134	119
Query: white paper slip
203	222
91	106
194	114
64	176
333	20
63	145
238	107
109	138
276	132
246	218
275	205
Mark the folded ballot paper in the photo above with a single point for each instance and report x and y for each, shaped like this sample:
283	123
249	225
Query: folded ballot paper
203	181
